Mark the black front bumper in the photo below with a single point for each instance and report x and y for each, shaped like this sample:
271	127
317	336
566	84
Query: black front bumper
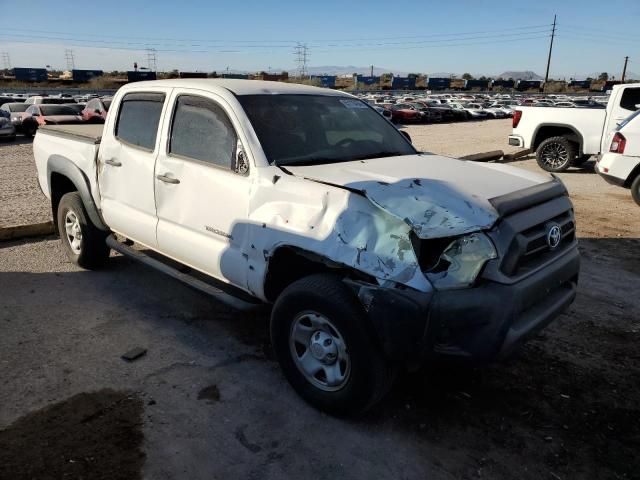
480	324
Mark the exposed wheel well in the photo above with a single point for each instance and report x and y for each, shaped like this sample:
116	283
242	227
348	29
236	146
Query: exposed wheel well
632	176
60	185
549	131
288	264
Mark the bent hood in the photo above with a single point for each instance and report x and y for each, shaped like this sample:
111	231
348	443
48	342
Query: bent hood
436	196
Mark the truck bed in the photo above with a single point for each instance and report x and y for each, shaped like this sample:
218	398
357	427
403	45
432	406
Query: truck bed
87	132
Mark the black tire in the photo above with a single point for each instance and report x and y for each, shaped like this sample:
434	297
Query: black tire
555	154
92	251
30	129
370	374
635	189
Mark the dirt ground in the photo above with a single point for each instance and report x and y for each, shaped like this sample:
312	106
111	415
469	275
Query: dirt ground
210	402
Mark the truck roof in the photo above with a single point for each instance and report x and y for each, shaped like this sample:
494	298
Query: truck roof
237	86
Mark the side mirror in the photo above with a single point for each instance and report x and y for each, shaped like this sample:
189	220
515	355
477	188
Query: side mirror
406	135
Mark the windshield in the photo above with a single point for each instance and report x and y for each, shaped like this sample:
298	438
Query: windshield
316	129
18	107
57	110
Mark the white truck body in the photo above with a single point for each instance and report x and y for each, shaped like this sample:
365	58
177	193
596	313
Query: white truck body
430	238
585	128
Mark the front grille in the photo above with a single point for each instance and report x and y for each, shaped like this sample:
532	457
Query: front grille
526	232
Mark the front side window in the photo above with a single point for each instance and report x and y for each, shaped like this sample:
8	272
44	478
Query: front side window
139	118
202	131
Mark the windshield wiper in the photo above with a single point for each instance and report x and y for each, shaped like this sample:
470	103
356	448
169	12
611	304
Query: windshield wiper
378	155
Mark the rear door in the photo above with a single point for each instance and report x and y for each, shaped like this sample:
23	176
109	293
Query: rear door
622	104
202	189
126	163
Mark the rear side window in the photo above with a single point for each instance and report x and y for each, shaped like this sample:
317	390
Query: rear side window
139	118
630	98
201	130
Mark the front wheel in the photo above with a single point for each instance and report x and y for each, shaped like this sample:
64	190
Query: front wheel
325	348
84	244
30	129
555	154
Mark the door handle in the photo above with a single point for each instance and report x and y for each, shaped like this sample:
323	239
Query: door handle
165	179
113	163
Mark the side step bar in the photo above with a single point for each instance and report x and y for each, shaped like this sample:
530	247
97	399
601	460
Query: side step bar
220	295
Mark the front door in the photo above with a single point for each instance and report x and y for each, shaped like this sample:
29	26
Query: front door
126	163
202	193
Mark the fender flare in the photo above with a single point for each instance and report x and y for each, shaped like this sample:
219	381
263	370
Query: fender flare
64	166
563	125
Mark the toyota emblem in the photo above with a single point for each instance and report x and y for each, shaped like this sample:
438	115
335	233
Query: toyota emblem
554	235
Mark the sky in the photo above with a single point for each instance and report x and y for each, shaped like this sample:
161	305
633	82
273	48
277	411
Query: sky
476	36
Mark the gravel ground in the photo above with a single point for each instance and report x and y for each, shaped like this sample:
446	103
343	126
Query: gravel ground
21	201
208	400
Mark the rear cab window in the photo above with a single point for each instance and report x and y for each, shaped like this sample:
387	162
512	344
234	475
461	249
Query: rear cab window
139	118
630	98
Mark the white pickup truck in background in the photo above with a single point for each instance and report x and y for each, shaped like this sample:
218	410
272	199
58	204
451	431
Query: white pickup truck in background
563	137
374	256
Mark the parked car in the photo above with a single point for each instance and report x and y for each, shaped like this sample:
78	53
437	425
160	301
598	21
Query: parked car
402	113
42	100
76	107
563	137
621	164
386	113
40	114
495	112
96	110
476	111
374	256
7	130
447	113
15	112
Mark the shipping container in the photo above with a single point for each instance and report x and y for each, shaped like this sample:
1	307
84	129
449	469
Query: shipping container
140	76
584	84
237	76
81	76
30	74
403	83
368	81
477	84
524	85
327	81
503	84
436	83
193	75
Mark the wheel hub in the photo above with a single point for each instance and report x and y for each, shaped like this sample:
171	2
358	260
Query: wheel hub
323	348
74	231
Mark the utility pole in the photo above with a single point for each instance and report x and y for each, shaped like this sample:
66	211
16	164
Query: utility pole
152	58
372	70
301	52
553	34
624	69
6	60
68	55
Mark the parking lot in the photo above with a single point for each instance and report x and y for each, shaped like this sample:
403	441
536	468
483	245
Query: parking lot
208	399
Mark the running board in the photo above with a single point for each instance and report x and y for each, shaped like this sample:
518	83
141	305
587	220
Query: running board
220	295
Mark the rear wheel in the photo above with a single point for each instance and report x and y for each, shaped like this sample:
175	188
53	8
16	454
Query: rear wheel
83	243
635	189
555	154
325	348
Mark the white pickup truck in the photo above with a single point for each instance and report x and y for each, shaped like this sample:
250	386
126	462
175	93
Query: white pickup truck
374	256
564	137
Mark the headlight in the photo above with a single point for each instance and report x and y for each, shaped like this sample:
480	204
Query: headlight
461	262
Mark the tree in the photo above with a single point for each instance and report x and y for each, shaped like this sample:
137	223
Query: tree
467	76
603	76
